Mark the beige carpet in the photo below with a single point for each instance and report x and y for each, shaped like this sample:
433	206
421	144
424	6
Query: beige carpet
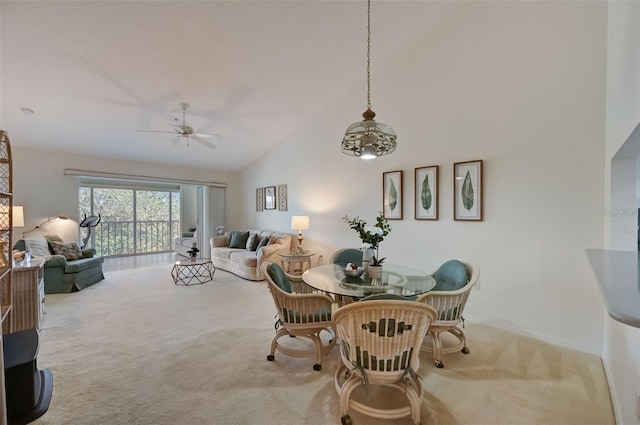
136	349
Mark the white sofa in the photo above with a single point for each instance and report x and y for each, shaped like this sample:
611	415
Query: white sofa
185	243
246	263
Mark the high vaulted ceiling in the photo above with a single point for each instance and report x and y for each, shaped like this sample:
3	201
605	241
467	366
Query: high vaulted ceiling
254	72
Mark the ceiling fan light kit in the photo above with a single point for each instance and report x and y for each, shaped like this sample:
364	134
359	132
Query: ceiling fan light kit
368	139
185	131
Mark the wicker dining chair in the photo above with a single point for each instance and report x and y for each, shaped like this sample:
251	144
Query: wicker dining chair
379	345
454	281
304	315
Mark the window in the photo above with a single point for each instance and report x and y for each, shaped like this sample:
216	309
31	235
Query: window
136	218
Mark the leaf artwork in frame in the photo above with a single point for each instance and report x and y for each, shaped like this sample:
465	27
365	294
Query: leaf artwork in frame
392	195
270	198
259	199
468	191
282	197
426	193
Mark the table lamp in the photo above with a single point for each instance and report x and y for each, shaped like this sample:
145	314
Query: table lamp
299	223
18	216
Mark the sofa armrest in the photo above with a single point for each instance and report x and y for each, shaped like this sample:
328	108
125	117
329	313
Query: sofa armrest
88	253
56	261
218	241
271	253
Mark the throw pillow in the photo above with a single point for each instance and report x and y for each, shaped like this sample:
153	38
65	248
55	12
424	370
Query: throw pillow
239	239
71	251
52	238
274	240
252	242
451	276
264	241
38	247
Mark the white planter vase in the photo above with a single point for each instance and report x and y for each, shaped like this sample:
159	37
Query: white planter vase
367	257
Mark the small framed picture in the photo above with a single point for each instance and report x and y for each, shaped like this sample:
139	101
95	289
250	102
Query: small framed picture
259	199
282	197
426	195
468	190
270	198
392	195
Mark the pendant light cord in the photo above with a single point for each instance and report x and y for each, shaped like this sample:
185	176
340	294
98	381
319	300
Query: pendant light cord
368	54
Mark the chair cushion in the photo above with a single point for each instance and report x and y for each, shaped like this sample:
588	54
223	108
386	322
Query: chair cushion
83	264
347	256
244	257
451	276
239	239
291	316
279	277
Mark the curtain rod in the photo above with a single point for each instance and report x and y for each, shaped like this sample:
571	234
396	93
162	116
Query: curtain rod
85	173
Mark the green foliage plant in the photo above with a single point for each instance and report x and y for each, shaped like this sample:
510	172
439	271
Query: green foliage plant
371	236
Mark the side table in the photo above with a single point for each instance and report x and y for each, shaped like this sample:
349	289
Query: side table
28	295
296	263
194	271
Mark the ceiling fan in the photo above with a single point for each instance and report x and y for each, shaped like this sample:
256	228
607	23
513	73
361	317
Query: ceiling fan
185	131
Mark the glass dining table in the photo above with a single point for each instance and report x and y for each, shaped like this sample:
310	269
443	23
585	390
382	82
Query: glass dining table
396	279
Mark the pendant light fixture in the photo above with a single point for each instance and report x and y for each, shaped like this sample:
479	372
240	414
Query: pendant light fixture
369	139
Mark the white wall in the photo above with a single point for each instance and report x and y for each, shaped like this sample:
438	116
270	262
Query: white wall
621	349
44	191
520	85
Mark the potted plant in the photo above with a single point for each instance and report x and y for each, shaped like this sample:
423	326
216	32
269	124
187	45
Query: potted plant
193	252
371	237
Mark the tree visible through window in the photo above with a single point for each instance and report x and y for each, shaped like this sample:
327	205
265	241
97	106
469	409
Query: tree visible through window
134	221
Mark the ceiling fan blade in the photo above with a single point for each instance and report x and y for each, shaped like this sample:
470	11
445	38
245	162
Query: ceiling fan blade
208	135
203	142
156	131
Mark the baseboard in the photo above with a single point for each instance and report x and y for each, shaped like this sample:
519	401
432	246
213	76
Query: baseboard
541	337
617	409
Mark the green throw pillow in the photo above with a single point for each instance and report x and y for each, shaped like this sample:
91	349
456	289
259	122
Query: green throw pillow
263	242
239	240
451	276
279	277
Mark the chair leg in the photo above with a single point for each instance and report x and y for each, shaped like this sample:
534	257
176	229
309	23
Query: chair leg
459	333
437	349
274	343
318	352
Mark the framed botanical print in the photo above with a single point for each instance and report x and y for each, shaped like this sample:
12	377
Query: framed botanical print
259	199
426	193
468	190
392	195
270	198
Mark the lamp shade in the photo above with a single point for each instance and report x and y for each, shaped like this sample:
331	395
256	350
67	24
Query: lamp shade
299	222
18	216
